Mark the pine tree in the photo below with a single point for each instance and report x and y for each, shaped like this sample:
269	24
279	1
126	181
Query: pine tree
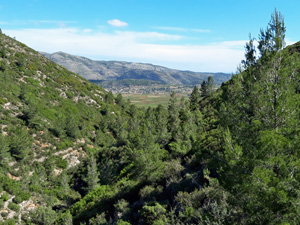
194	99
120	100
65	181
4	151
207	87
109	98
20	143
210	85
161	121
92	177
203	89
272	39
250	58
278	29
71	128
173	118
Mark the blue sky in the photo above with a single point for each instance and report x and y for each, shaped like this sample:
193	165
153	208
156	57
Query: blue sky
204	36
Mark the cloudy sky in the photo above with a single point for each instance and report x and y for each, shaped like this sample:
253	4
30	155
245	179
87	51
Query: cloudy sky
197	35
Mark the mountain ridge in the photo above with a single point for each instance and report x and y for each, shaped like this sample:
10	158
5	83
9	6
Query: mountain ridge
119	70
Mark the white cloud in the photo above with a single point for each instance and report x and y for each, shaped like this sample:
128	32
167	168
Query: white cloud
180	29
87	30
289	42
201	30
135	46
148	36
117	23
50	21
171	28
38	22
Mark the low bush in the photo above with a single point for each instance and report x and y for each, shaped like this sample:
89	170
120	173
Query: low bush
13	206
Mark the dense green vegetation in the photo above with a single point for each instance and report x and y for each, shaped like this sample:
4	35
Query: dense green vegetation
81	155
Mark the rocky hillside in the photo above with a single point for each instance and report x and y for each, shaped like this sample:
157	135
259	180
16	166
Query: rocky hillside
48	119
118	70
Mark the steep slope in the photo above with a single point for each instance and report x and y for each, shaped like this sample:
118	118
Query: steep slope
48	118
72	153
118	70
253	139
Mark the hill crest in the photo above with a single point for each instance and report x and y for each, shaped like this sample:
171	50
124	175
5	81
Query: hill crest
119	70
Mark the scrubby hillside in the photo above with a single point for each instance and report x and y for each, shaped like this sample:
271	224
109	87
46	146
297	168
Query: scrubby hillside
48	118
73	154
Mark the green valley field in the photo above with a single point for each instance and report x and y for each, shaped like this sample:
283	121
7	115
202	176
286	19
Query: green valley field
152	100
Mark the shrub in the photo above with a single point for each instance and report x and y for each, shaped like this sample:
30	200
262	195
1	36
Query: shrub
17	199
4	215
23	196
154	214
43	215
13	206
99	219
13	187
69	94
64	145
2	101
122	222
4	197
9	222
61	163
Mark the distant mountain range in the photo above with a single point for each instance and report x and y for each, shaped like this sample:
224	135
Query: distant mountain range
120	70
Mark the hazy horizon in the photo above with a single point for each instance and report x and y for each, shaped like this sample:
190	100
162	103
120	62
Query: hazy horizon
196	36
